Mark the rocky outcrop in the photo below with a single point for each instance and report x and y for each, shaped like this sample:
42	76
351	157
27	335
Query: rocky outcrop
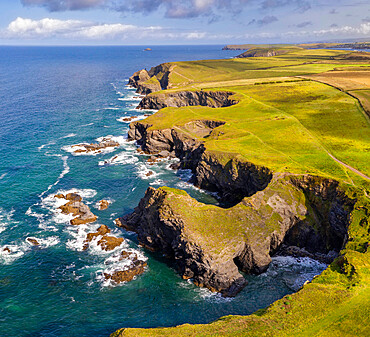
263	52
164	220
232	180
77	208
135	268
83	148
150	81
295	215
211	245
103	204
33	241
213	99
105	241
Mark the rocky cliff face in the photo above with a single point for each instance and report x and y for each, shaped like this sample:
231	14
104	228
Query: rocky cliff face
329	209
263	212
262	52
232	181
162	224
295	215
155	79
213	99
211	245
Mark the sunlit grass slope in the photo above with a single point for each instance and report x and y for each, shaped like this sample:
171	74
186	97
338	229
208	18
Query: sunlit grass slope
282	121
298	125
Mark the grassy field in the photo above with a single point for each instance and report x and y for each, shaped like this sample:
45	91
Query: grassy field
281	121
300	113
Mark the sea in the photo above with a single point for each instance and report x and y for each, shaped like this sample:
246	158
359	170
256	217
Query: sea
50	99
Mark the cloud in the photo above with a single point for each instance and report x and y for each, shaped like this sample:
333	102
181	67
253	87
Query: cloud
304	24
22	28
299	5
264	21
267	20
63	5
344	31
172	8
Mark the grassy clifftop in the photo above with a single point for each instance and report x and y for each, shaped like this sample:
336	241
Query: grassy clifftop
303	112
283	121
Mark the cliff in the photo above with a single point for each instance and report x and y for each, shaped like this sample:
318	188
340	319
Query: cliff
272	159
265	212
264	52
213	99
153	80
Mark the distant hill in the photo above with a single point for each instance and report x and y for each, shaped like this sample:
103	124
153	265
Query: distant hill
319	45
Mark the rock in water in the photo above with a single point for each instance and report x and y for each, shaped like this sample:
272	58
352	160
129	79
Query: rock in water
33	241
103	204
106	242
109	242
137	267
77	208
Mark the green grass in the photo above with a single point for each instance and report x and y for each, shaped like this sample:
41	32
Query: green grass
287	127
334	304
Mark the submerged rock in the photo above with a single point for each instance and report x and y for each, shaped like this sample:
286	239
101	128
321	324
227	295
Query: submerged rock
106	242
136	268
103	204
33	241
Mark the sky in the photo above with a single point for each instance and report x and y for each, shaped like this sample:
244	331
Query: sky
163	22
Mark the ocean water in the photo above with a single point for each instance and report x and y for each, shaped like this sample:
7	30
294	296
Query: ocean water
50	99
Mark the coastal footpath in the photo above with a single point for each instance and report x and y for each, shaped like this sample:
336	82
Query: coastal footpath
286	152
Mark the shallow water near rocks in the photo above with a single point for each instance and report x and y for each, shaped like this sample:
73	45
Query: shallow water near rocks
50	99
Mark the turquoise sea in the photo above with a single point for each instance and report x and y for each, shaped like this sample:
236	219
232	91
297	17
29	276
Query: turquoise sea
50	99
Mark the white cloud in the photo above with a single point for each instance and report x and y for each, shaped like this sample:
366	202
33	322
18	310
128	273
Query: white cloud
27	28
22	28
363	29
333	32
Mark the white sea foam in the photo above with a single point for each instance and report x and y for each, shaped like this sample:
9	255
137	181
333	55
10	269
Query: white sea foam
70	135
134	97
122	158
119	139
6	218
157	182
66	170
144	172
45	145
115	263
79	234
295	271
87	124
10	253
44	242
76	148
138	118
3	176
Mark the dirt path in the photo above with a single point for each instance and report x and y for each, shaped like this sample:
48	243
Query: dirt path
349	167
